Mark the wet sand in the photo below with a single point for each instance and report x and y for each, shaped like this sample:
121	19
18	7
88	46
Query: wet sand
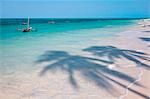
86	74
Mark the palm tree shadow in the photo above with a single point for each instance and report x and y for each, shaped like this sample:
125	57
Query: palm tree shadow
88	68
112	53
147	31
145	39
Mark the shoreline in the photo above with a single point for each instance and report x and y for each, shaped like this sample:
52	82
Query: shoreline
36	87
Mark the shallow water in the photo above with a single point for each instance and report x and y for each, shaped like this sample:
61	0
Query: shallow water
20	50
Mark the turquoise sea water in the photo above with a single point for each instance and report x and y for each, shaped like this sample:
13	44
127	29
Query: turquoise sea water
18	50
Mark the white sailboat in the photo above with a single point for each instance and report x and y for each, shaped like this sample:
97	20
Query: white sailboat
29	28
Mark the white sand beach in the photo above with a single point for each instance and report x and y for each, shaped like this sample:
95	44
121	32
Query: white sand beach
86	75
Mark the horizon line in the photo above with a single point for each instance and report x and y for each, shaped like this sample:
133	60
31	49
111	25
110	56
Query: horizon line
68	18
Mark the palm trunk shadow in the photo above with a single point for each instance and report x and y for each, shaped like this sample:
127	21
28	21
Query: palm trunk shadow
89	69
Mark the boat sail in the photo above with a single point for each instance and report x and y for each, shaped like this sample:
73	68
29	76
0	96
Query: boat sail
29	28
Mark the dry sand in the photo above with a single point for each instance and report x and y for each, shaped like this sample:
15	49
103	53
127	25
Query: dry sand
56	85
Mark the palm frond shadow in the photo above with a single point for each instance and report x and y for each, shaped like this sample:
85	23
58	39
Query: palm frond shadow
97	73
146	31
145	39
112	53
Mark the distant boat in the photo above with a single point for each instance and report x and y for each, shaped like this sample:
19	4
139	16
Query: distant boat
29	28
24	23
51	22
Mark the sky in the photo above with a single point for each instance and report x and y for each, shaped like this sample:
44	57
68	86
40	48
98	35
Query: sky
75	8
